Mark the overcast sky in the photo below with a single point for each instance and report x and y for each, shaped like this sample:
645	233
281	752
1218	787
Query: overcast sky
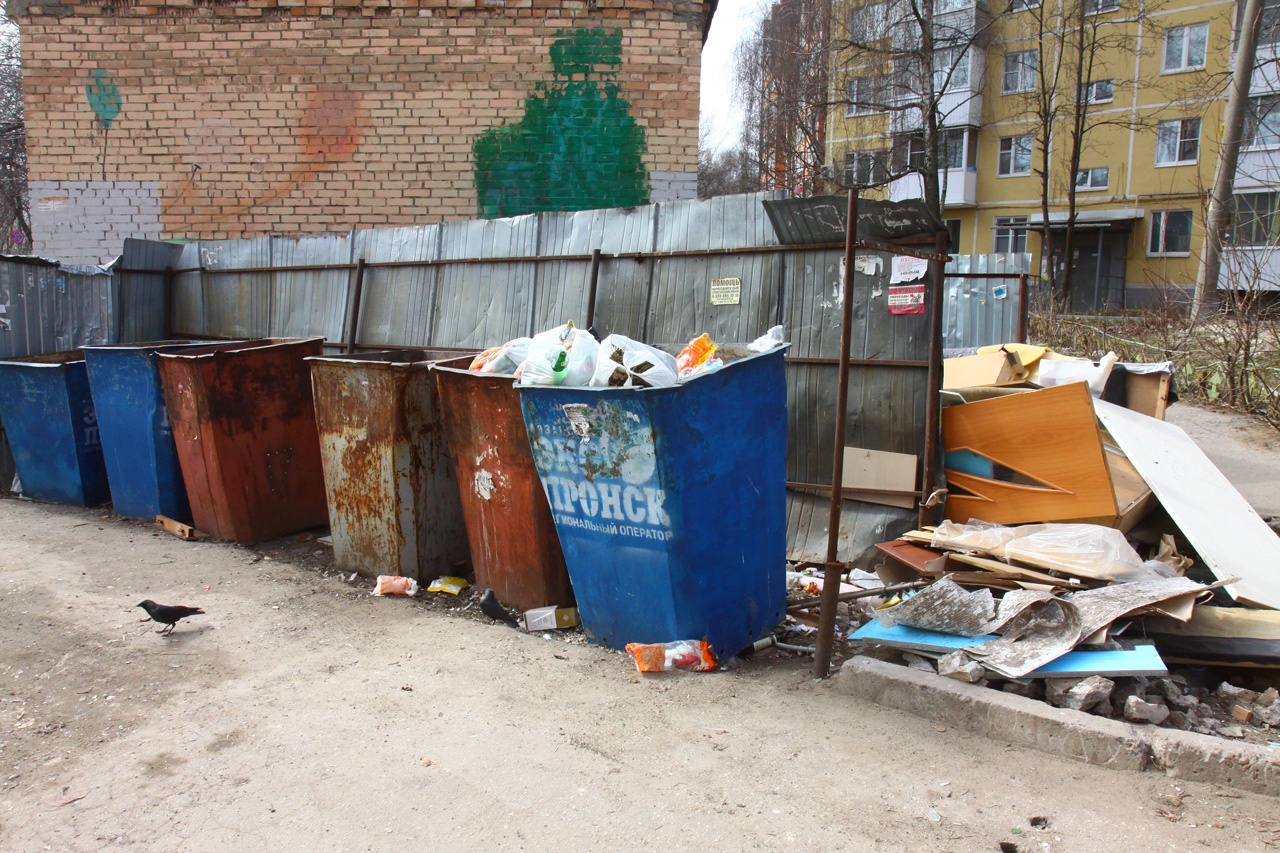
734	20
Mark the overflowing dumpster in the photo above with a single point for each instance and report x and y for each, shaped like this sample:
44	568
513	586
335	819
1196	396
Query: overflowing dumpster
52	427
137	438
392	493
514	546
245	430
670	502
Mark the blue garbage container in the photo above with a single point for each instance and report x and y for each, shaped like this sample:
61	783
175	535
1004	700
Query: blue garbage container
49	417
670	503
137	439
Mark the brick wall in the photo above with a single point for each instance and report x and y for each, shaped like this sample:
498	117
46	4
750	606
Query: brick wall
248	117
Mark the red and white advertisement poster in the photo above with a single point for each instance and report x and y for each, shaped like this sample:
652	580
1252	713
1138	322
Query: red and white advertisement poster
906	299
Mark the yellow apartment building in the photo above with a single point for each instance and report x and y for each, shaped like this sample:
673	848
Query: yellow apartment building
1150	80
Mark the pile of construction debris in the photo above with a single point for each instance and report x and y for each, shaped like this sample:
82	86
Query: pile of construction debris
1088	545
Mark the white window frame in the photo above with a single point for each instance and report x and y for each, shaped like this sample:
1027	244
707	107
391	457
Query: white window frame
1180	126
1008	148
1102	7
874	160
1185	57
1257	120
1089	92
1269	224
1091	178
944	62
874	17
1011	231
1022	73
1022	5
876	84
1159	230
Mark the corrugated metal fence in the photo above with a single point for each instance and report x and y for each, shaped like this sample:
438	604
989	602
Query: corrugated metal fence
659	299
52	308
520	275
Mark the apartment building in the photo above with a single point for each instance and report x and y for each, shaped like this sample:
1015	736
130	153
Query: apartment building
1128	97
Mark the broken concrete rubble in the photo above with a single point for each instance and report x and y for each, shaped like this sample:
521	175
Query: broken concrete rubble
1139	711
1078	694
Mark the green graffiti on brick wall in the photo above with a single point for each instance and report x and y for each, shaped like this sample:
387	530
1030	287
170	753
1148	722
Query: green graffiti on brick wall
576	147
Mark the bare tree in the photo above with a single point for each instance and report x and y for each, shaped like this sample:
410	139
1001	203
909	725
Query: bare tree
14	222
781	82
919	62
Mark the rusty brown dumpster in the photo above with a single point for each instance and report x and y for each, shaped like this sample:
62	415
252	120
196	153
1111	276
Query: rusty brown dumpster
393	497
514	546
245	430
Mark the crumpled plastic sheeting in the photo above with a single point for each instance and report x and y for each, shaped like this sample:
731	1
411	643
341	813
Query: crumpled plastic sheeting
1045	633
1085	550
947	607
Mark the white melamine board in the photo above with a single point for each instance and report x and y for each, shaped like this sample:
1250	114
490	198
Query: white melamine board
1226	532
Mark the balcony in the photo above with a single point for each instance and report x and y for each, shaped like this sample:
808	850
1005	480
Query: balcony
960	102
960	187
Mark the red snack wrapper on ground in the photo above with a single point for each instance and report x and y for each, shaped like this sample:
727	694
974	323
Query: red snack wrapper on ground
689	655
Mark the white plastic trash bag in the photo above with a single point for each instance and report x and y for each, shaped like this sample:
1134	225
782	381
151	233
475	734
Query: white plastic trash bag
771	339
624	363
560	356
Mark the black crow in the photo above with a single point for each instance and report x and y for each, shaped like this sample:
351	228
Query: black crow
490	607
168	615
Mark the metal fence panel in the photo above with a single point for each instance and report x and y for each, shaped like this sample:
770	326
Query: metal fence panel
311	302
983	311
237	305
481	305
397	304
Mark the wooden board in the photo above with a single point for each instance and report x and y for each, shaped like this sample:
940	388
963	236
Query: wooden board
869	471
1140	660
1230	537
1049	437
1220	635
1148	393
993	368
182	531
908	554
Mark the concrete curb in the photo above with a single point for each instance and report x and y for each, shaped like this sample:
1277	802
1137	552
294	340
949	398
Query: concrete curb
1058	731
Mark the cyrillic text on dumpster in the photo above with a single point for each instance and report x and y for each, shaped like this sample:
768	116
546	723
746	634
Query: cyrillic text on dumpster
600	474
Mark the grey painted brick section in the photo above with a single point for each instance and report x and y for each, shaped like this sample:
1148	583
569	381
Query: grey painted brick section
1058	731
114	210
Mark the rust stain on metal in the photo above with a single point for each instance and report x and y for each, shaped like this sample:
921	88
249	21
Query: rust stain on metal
246	436
393	496
514	545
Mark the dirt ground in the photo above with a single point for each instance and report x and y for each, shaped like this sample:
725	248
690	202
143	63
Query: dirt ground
303	714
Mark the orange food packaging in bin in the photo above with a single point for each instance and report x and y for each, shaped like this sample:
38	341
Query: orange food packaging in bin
695	353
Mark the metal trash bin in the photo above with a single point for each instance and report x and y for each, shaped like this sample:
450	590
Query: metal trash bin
245	429
514	547
137	438
671	502
52	428
393	497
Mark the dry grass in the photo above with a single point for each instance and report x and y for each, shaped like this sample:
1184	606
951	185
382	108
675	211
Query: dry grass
1231	359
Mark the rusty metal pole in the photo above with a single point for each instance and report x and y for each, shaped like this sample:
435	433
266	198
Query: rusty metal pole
355	307
933	405
832	570
591	292
1024	309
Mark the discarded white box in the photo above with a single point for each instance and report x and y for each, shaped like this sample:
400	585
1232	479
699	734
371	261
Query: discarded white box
550	618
